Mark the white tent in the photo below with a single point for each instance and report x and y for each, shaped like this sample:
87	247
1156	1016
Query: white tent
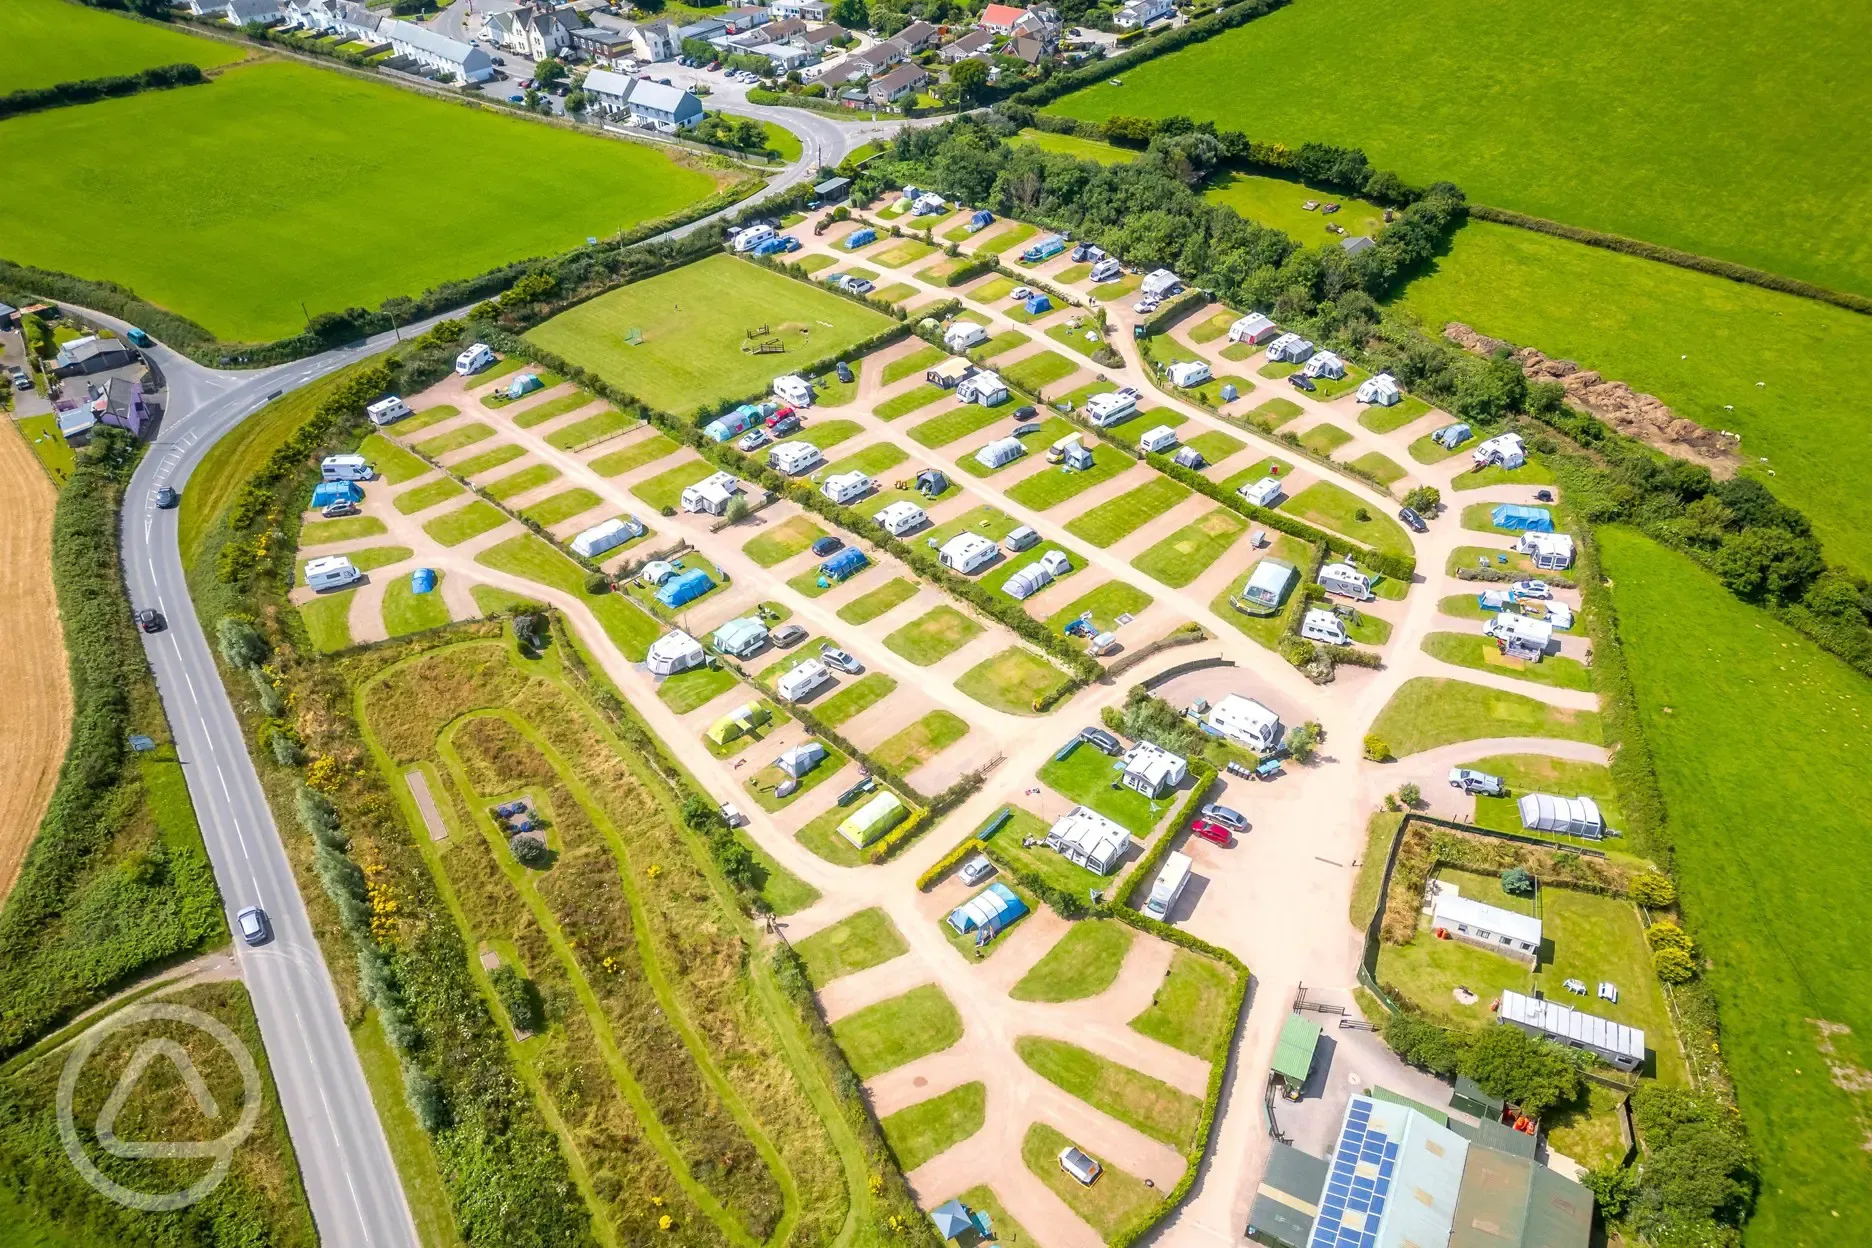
801	759
1027	582
1381	390
1566	816
1088	839
1000	451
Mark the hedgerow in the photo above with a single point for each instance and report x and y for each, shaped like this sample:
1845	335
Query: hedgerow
85	90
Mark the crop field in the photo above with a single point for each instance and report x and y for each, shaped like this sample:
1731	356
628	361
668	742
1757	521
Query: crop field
301	149
1738	707
1699	343
1724	145
694	321
49	41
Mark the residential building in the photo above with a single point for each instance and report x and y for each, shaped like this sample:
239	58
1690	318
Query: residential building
1002	18
747	17
916	37
253	12
120	402
1088	839
356	21
1245	722
880	56
1028	48
534	33
1152	770
93	354
968	45
832	76
1139	13
646	102
784	56
1354	245
1613	1043
1563	816
899	82
1490	927
822	38
603	45
807	10
436	51
787	30
656	41
707	29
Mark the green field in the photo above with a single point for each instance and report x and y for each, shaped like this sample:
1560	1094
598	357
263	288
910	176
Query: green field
1187	553
1724	144
1102	606
1073	145
646	450
868	606
1084	963
910	748
303	150
50	41
1118	1199
1190	1009
1114	518
1473	650
487	460
405	611
1698	343
1337	508
1737	704
1428	711
1131	1096
1011	680
884	1036
933	636
864	940
931	1127
456	526
1279	203
694	320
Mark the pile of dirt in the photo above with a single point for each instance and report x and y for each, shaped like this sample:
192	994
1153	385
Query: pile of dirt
1641	416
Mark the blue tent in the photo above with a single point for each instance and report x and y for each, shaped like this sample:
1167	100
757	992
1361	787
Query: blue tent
684	588
1038	304
330	492
994	908
952	1219
1528	519
847	563
422	580
860	238
982	219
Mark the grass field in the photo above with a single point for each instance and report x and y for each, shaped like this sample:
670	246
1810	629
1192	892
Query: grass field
1113	519
1187	553
1481	653
455	439
1131	1096
1102	606
327	620
456	526
1427	711
646	450
561	507
1741	698
1190	1008
1116	1200
941	430
933	636
1073	145
1055	484
932	1127
344	529
1699	343
1334	507
301	148
694	320
854	699
593	429
405	611
884	1036
782	541
1278	202
864	940
519	482
1011	680
665	489
630	629
1040	370
1083	964
394	465
917	744
1525	773
870	605
1720	147
51	41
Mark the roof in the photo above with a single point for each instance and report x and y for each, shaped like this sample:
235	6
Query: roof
1293	1052
1454	908
830	185
971	42
1570	1024
1356	244
1155	764
1092	834
1285	1202
609	82
431	41
1548	813
1236	716
905	75
659	98
964	545
1002	15
1394	1180
1511	1200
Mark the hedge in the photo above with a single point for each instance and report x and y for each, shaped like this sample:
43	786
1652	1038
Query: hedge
1202	779
85	90
1098	71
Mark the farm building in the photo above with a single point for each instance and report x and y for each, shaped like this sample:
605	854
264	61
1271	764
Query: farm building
1263	493
1269	582
845	564
1289	349
1552	552
608	536
1106	410
990	910
1245	722
711	495
801	759
672	653
92	354
1519	635
740	638
1346	581
984	388
1490	927
1160	284
793	458
1157	440
1187	373
901	517
1152	770
1380	391
1088	839
1324	626
1505	450
1562	816
1325	364
739	722
843	487
1614	1043
873	819
684	588
1287	1198
967	552
1253	329
802	680
1515	516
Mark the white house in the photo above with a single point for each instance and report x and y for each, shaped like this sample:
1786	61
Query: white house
793	389
1088	839
1138	13
984	388
1263	493
964	334
1346	581
356	21
1289	349
711	495
793	458
672	653
1253	329
1380	391
802	679
655	41
1614	1043
805	10
1325	364
254	12
1152	770
1160	284
1187	373
999	452
1323	626
1491	927
843	487
436	51
1567	816
1157	441
1504	450
1552	552
646	102
1245	722
902	517
967	552
1106	410
539	33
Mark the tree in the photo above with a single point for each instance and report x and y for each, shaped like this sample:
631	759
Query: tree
1532	1074
852	14
1697	1169
1516	882
1665	934
738	509
1425	500
1423	1044
1377	749
519	996
529	850
597	583
1411	795
966	81
1768	564
425	1098
699	814
1673	966
1612	1186
699	50
241	643
1653	889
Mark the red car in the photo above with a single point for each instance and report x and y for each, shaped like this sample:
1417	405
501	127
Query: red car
1210	831
779	416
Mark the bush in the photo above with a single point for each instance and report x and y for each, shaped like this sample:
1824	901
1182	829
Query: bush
271	704
286	751
529	850
1423	1044
519	996
1517	882
1304	742
1534	1075
425	1098
1653	890
595	584
1673	966
1425	500
1697	1172
1377	749
1411	795
1612	1186
241	643
1665	934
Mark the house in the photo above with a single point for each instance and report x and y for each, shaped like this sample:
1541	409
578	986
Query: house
784	57
1088	839
1356	244
821	38
711	495
951	372
1289	349
1346	581
1519	636
1152	770
356	21
968	45
672	653
902	81
1187	373
1269	582
1245	722
1515	516
647	103
1325	364
1002	18
93	354
1140	13
873	819
604	45
1564	816
120	404
1253	329
787	30
254	12
801	680
844	487
808	10
1263	493
989	912
984	388
706	29
1613	1043
801	759
1380	391
879	56
1551	552
1504	450
793	458
747	17
1029	48
1000	452
967	552
539	33
916	37
1323	626
1490	927
794	389
1106	410
851	69
657	41
600	538
436	51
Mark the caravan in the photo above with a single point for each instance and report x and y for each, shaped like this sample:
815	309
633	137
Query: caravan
844	487
1106	410
793	458
346	468
673	653
1187	373
1323	626
961	335
967	553
1346	581
1169	886
1263	493
387	411
752	237
331	572
474	359
794	389
902	517
711	495
1158	440
984	388
803	680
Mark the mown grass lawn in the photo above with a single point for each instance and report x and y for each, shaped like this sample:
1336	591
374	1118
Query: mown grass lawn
455	439
1084	963
1531	473
909	401
1324	438
630	628
394	464
1056	483
593	429
933	1127
561	506
665	489
891	1033
1038	371
915	363
517	483
1087	777
1132	1097
1102	606
1429	711
1118	1198
1187	553
540	413
488	460
827	433
933	636
951	425
452	528
1000	344
855	698
874	461
646	450
345	529
368	560
1113	519
1334	507
1385	419
873	603
1022	825
1541	773
1011	680
685	691
1215	446
405	611
1280	203
327	620
1377	464
1190	1009
909	749
1273	465
780	542
1272	414
866	939
300	148
1479	652
694	321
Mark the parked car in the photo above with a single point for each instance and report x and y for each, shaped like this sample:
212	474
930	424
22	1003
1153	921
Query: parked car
1025	412
254	928
1531	589
1101	741
166	497
1543	496
1225	815
832	656
1080	1166
844	373
1478	782
828	546
1145	306
1410	517
859	286
1210	830
977	869
785	425
1300	382
789	243
339	510
755	440
787	635
1021	292
151	620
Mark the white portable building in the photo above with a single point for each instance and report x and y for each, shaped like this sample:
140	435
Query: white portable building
967	552
793	389
1157	440
1187	373
600	538
1505	450
999	452
1325	364
1551	552
712	494
1380	391
387	411
1263	493
474	359
843	487
345	468
1088	839
1245	722
1152	770
902	517
801	759
1106	410
800	681
331	572
672	653
984	388
1323	626
1160	284
1346	581
1169	886
964	334
1567	816
1253	329
1615	1043
793	458
1489	926
1290	349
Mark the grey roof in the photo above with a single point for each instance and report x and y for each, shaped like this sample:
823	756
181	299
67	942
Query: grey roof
974	41
903	76
601	36
1455	908
1568	1023
659	98
703	29
244	11
830	185
915	32
431	41
1356	244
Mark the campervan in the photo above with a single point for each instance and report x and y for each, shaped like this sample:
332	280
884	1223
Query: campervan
345	468
1107	270
1169	886
387	411
331	572
902	517
1155	441
752	237
1057	452
474	359
843	487
793	458
1323	626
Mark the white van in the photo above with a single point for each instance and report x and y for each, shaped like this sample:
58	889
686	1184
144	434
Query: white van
1106	270
346	468
474	359
387	411
752	237
331	572
1169	886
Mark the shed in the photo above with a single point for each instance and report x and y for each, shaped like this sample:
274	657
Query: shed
1622	1046
845	564
1293	1052
684	588
672	653
740	637
992	909
329	492
873	819
1491	927
1269	582
1516	516
739	722
833	190
1565	816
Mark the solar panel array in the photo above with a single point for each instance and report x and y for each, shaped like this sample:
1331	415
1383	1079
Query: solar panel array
1359	1185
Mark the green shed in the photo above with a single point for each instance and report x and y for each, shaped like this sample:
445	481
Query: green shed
1293	1053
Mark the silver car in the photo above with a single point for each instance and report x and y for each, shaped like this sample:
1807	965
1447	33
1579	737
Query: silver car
832	656
1225	816
977	869
1079	1165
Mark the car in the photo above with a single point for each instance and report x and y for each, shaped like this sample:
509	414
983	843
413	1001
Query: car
664	82
858	286
1210	830
166	497
151	620
731	815
1020	539
21	379
1145	306
828	546
1025	412
832	656
778	414
787	635
1102	741
339	509
1531	589
1478	782
1022	292
1301	382
254	928
785	425
1226	815
1410	517
1079	1166
1543	496
755	440
977	869
844	373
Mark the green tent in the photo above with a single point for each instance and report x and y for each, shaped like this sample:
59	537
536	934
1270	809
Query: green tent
743	719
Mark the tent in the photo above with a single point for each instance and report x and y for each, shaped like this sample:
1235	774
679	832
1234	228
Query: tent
873	819
684	588
1567	816
1036	304
422	580
1515	516
846	563
330	492
993	908
801	759
743	719
952	1220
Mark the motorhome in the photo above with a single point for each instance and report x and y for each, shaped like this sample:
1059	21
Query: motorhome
474	359
843	487
793	458
1158	440
1519	636
1106	410
1057	452
331	572
901	517
1169	886
387	411
346	468
1107	270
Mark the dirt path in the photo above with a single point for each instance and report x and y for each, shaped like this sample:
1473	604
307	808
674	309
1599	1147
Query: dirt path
38	719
